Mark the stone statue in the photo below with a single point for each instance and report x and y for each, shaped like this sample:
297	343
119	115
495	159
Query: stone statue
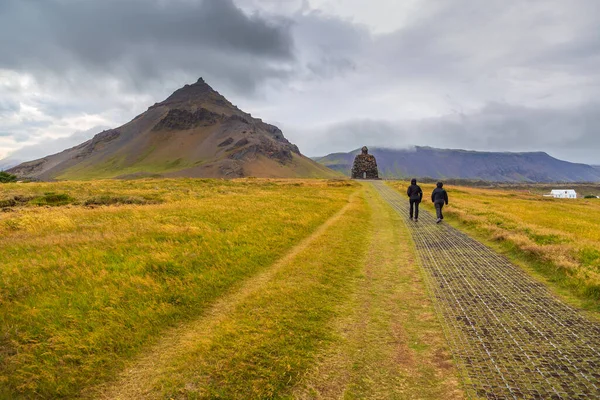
365	166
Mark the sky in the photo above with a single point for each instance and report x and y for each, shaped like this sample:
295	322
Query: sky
334	75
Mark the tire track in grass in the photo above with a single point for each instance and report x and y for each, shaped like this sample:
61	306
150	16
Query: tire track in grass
148	376
392	346
510	337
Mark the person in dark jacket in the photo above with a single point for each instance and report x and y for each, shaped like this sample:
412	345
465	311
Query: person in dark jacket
439	197
415	195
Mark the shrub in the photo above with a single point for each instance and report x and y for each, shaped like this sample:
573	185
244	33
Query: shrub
5	177
7	203
15	201
106	200
53	199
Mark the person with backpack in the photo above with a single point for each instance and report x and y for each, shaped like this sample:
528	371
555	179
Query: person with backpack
439	197
415	195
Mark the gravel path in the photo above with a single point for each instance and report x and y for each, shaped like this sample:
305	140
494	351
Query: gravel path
509	336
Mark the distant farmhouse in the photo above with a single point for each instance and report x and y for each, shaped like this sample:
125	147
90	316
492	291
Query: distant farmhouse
562	194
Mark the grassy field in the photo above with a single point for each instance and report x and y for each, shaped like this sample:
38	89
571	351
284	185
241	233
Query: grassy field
82	287
212	289
559	238
390	344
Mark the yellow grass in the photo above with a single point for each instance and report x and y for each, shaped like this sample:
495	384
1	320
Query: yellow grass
344	314
213	289
562	235
84	288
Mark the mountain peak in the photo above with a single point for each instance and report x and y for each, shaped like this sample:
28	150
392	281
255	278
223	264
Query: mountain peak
199	95
196	132
196	92
200	84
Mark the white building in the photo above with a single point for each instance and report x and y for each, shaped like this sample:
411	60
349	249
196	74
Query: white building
563	194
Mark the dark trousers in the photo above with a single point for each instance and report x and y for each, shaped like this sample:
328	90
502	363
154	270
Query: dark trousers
438	210
414	205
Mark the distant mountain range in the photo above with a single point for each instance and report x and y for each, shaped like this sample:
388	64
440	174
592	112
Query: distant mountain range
196	132
435	163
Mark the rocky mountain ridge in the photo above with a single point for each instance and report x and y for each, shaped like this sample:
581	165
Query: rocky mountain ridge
195	132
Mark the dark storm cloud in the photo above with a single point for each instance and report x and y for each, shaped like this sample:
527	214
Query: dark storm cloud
140	40
500	75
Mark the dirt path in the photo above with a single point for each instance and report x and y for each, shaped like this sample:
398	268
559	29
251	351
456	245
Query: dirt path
392	345
137	381
510	337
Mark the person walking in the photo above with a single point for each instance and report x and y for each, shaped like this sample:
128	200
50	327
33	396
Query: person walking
439	197
415	195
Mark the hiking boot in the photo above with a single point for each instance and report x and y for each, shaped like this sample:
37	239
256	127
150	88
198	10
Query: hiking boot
438	221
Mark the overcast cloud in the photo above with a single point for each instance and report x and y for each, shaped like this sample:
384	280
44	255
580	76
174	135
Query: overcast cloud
501	75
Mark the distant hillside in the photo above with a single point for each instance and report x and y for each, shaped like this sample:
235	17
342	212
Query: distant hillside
489	166
196	132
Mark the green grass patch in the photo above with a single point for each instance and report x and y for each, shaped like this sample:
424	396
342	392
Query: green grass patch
52	199
546	239
117	166
590	257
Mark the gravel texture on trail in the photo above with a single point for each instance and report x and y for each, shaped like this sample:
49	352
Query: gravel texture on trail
510	337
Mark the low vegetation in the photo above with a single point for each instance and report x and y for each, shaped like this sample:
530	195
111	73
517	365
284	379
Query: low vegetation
108	200
5	177
256	343
213	289
559	238
84	287
345	314
390	344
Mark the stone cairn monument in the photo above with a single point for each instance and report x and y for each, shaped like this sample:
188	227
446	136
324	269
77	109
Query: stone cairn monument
365	166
